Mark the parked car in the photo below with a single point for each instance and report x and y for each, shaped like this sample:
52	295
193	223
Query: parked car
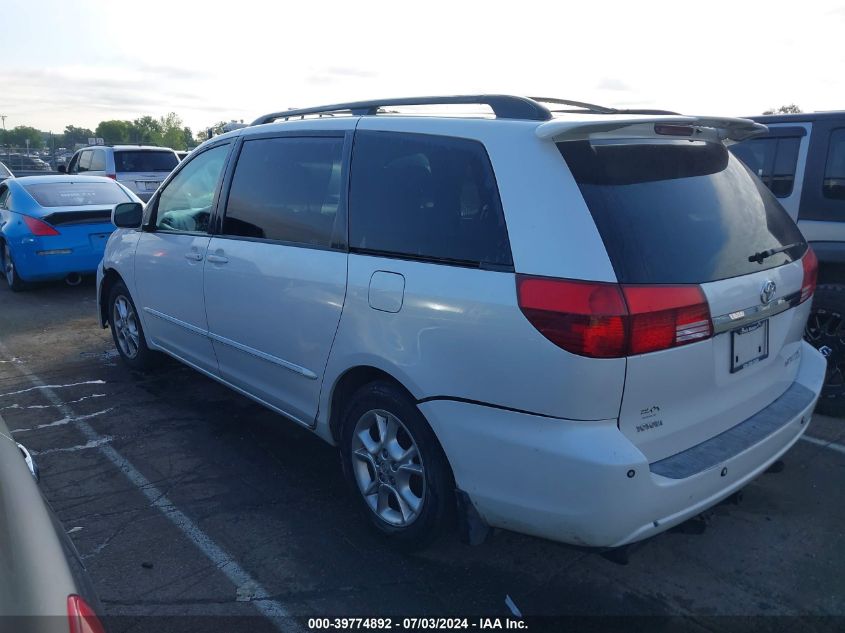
43	582
54	227
182	155
139	167
21	165
802	160
4	172
588	323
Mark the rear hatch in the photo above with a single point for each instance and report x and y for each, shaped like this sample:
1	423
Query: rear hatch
682	217
143	170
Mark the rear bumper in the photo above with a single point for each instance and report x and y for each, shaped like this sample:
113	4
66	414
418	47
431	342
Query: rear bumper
32	266
585	483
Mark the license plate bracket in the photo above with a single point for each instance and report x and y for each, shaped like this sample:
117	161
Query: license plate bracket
749	345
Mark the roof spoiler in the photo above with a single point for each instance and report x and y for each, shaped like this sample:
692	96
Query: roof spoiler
727	128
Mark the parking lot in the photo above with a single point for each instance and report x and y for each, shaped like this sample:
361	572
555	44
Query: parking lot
186	499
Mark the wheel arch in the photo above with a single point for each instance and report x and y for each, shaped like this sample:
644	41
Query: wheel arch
347	384
110	277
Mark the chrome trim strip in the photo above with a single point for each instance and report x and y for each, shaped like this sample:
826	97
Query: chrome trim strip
175	321
30	463
297	369
728	322
264	356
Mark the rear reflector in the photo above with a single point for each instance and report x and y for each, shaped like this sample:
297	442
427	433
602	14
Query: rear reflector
605	320
811	273
81	617
37	227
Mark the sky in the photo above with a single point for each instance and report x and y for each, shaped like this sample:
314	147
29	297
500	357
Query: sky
84	61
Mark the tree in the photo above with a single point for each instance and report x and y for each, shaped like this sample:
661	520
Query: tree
172	131
785	109
217	128
74	135
18	136
114	132
146	130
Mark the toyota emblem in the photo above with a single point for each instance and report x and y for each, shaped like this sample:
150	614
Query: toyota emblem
767	293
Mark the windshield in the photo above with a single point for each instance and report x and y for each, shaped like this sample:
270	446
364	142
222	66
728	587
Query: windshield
76	194
4	172
679	211
145	160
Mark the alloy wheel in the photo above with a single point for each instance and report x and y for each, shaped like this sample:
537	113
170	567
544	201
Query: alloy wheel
826	332
126	326
388	468
8	265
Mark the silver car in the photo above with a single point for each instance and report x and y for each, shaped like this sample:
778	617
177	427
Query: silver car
41	574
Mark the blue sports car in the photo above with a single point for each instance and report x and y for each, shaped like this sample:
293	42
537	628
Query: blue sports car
55	227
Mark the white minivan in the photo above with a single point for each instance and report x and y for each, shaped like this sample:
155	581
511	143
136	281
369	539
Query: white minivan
141	168
574	322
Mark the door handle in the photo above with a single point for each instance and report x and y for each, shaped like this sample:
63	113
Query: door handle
217	259
194	256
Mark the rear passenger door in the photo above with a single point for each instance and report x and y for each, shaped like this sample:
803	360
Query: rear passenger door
275	273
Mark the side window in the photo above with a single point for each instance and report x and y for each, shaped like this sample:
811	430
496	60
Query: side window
773	160
98	160
287	189
833	185
84	162
184	205
429	197
4	197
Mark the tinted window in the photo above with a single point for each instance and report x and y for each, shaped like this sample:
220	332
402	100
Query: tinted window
773	160
426	196
185	203
679	212
144	160
834	171
286	189
71	194
98	160
84	162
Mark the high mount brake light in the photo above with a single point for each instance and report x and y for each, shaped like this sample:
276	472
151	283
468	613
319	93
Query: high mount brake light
811	273
39	228
606	320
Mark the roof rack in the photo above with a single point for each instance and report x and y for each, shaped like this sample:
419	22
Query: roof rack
503	106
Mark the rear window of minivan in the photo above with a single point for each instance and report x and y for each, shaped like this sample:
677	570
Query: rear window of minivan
685	212
144	160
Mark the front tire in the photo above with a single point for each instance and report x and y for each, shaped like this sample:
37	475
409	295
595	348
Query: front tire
10	271
126	330
395	466
826	332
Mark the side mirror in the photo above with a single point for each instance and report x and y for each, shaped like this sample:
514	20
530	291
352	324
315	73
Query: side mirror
127	215
62	169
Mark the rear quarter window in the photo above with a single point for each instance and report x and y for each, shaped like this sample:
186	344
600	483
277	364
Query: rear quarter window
833	185
426	197
144	160
679	211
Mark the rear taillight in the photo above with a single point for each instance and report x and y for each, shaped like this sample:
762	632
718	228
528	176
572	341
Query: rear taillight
606	320
112	176
37	227
666	316
81	617
811	273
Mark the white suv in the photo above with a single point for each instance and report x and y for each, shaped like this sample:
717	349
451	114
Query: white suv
584	325
141	168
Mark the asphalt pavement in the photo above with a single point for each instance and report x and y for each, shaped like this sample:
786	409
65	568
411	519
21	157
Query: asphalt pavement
186	500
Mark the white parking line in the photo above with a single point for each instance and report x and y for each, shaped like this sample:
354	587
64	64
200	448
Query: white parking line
831	445
237	575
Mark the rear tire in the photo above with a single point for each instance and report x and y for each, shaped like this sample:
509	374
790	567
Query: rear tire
826	332
127	331
10	271
395	466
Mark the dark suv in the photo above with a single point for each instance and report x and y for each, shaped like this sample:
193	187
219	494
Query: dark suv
802	160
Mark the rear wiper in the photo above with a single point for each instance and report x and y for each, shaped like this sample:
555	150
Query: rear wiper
762	255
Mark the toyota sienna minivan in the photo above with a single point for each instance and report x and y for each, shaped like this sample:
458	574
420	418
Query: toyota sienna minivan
565	320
